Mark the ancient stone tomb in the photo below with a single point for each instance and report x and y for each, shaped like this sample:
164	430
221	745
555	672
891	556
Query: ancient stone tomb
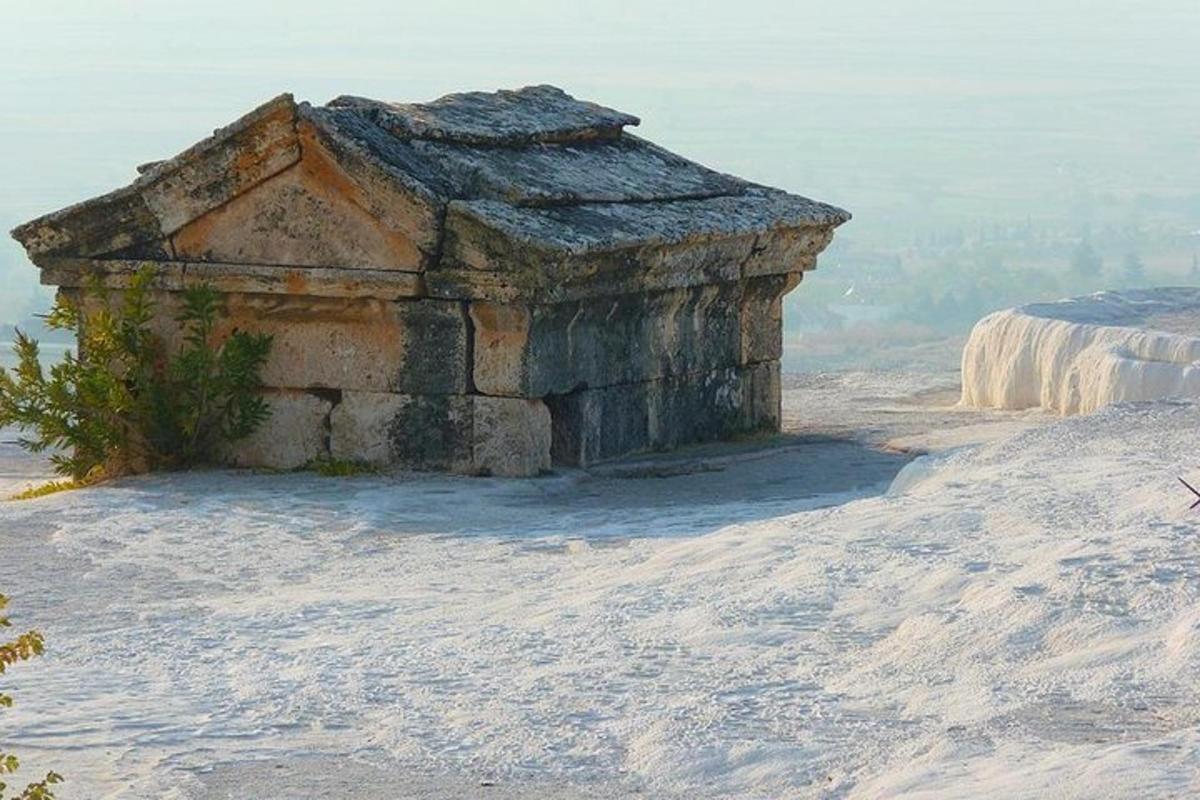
490	283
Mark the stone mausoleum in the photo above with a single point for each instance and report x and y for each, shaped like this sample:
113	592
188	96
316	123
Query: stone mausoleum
489	283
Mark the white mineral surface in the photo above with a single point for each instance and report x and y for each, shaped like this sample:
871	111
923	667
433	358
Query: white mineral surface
1017	617
1078	355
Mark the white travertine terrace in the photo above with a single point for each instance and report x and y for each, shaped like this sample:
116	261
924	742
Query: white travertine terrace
1075	356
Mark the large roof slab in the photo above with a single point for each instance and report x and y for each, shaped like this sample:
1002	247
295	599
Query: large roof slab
506	117
603	227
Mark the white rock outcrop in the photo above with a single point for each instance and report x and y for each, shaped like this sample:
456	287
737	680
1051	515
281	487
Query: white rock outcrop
1077	355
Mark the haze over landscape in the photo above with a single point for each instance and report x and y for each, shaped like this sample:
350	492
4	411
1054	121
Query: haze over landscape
979	145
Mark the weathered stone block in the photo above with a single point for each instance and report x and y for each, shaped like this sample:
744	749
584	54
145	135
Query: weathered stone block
534	114
532	351
763	410
501	348
111	222
360	425
417	347
407	346
761	317
597	424
432	432
480	262
223	166
171	192
300	217
511	436
459	433
381	284
606	247
365	154
633	338
296	433
790	250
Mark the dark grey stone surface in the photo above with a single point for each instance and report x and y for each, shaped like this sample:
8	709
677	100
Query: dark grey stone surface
600	227
613	226
508	437
433	432
436	347
631	338
761	316
528	115
617	170
598	424
614	170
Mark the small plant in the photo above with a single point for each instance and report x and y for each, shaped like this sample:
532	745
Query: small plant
24	647
218	400
50	487
124	403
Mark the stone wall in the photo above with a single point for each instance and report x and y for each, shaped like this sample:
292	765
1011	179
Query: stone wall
468	434
636	372
504	389
593	425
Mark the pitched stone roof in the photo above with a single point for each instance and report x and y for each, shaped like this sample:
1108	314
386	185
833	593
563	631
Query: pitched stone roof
524	116
539	147
531	169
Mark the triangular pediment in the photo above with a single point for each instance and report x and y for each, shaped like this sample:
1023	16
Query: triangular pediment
303	216
274	187
171	193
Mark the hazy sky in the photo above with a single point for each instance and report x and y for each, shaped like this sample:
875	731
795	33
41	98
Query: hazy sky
883	106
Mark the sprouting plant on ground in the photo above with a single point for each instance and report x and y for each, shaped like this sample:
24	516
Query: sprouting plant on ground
48	488
24	647
126	402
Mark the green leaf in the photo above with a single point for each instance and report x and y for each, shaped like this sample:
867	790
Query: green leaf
123	402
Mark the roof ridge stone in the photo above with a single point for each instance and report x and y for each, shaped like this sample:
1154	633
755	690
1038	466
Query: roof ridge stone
508	117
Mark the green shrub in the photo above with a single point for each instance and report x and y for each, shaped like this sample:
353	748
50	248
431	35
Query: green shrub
23	648
124	404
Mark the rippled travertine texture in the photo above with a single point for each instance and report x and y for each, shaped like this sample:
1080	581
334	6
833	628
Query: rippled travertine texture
1078	355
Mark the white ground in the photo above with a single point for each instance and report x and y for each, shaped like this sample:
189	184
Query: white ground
1077	355
1019	618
